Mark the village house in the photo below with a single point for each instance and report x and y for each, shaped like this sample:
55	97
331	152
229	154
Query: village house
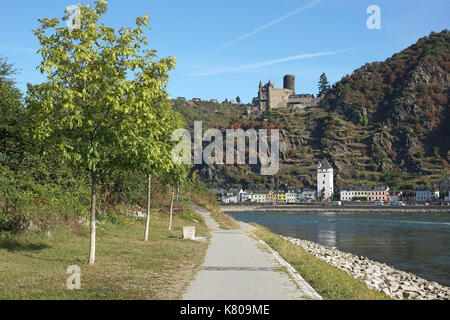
447	199
229	198
365	193
394	196
291	196
244	196
380	193
444	185
350	192
298	195
281	196
271	197
308	195
424	194
232	196
259	196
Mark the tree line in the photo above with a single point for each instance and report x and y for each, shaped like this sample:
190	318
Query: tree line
102	108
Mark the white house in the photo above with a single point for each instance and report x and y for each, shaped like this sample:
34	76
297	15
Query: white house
325	179
244	196
259	197
232	196
291	196
427	194
371	193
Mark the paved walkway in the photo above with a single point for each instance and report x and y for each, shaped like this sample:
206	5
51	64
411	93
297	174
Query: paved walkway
239	267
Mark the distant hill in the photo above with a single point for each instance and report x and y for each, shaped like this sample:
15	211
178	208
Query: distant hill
387	122
407	97
212	114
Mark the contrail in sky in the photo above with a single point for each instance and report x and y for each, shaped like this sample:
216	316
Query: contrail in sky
267	25
270	62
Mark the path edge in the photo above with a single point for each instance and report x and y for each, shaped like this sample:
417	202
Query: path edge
296	277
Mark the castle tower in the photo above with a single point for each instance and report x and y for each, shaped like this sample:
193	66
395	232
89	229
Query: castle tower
324	179
289	82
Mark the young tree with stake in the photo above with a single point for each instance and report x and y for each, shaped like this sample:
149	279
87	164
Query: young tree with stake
176	176
157	162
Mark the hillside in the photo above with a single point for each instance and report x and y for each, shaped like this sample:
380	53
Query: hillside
387	122
212	114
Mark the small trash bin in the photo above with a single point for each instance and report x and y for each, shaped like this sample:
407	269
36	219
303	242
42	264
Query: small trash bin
189	233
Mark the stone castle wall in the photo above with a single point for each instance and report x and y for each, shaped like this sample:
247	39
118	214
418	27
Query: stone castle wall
279	98
303	101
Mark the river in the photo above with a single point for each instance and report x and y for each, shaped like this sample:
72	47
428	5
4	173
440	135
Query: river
415	242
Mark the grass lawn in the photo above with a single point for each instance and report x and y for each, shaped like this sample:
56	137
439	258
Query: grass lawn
34	266
330	282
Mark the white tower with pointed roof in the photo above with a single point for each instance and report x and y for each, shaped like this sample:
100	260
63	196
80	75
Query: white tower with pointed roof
325	179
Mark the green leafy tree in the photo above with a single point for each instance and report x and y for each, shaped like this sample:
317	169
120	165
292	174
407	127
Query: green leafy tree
238	100
324	86
91	105
156	161
11	114
322	195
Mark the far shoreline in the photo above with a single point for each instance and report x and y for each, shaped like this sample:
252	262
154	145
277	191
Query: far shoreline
334	209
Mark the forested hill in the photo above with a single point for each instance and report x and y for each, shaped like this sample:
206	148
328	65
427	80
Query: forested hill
406	96
387	122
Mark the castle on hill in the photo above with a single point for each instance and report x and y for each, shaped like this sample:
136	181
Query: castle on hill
270	97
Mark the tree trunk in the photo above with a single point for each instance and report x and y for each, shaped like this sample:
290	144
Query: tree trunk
178	191
147	222
92	222
171	209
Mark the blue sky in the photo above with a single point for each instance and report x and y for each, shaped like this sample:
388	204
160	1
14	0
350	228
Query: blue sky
224	48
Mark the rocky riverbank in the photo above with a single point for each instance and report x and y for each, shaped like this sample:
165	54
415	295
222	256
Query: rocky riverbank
394	283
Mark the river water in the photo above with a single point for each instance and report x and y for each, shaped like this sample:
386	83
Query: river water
415	242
